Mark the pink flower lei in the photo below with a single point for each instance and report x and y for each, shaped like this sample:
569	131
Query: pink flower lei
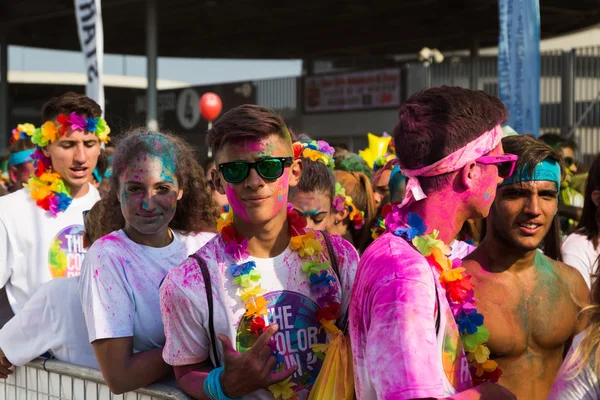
459	292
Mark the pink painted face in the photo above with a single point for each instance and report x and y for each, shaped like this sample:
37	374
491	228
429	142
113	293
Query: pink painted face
148	194
255	199
487	180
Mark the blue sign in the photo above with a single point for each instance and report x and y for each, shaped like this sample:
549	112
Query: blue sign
519	63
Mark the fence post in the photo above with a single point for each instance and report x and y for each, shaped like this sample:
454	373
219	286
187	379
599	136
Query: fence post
568	92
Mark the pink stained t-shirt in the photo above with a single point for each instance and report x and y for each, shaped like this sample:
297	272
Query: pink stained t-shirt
291	304
396	351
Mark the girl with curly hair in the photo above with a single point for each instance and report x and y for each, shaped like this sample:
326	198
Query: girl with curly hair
158	210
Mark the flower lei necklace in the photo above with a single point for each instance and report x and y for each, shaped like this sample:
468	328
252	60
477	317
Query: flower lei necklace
378	227
341	200
459	293
47	188
247	277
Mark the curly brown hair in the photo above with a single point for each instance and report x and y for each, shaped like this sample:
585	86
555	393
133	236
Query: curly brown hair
196	211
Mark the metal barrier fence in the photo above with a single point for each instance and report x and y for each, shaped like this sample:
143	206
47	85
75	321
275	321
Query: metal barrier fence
569	91
55	380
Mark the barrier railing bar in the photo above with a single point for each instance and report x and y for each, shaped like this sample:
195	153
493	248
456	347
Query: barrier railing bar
165	390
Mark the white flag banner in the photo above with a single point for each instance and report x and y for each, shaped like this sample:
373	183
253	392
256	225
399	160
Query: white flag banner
91	36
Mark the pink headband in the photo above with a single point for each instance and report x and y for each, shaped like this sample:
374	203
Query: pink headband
453	162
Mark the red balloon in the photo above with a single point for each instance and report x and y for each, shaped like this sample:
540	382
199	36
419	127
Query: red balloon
210	106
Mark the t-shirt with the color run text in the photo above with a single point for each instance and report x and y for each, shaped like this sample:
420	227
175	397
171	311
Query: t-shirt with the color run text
36	246
396	351
291	304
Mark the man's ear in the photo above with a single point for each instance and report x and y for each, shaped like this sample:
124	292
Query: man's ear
45	150
295	173
467	175
215	177
12	172
596	197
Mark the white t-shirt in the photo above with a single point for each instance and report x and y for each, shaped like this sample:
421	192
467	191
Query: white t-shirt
396	350
584	386
51	321
36	246
291	304
119	286
579	253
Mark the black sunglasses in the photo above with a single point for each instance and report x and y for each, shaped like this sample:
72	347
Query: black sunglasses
267	168
569	161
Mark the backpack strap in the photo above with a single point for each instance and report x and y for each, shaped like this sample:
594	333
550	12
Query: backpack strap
209	298
334	264
439	311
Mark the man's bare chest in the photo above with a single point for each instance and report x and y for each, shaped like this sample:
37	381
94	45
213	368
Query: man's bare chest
535	315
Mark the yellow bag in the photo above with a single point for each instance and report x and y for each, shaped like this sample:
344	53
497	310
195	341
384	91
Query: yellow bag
336	378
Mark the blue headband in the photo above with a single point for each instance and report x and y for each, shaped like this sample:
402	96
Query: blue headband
20	157
97	176
547	170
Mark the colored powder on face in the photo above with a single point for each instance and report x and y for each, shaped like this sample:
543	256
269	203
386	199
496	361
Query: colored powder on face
282	193
258	145
235	203
488	194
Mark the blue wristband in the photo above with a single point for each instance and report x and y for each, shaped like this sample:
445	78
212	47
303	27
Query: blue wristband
212	385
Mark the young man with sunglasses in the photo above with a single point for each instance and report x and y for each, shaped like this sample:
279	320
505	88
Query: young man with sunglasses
529	299
273	285
405	341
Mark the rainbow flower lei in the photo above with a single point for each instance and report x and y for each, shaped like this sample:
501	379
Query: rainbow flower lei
341	200
47	188
246	276
459	293
50	132
22	131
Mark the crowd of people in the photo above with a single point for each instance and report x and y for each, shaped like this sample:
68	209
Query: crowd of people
461	264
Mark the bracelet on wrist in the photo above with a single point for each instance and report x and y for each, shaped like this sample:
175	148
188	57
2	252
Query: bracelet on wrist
213	388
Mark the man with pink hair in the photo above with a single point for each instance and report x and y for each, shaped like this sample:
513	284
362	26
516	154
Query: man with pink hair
413	315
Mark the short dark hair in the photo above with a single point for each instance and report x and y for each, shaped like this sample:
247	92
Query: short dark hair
249	121
588	224
558	142
436	122
316	177
68	103
531	152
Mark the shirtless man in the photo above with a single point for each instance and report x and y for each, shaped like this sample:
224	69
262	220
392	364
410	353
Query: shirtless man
528	299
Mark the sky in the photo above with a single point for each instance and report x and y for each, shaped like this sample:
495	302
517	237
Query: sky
191	71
